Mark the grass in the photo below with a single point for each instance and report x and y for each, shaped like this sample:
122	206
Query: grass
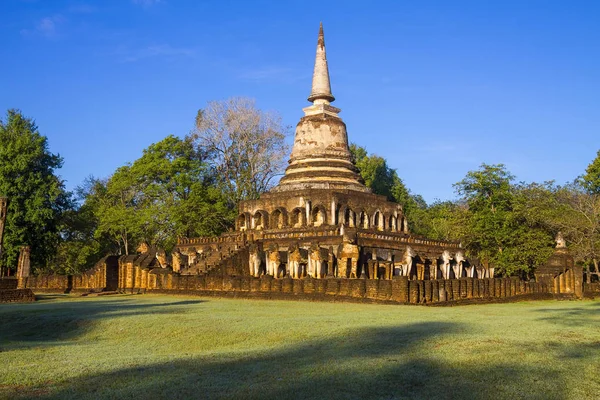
151	346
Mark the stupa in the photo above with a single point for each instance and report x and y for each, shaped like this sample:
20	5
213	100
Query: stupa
321	220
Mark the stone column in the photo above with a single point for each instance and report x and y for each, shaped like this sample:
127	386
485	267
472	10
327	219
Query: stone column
420	271
562	283
332	219
433	270
23	267
568	281
577	281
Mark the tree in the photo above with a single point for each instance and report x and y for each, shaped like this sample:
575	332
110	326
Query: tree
79	245
498	227
591	179
385	181
118	214
167	193
37	197
179	194
579	221
442	220
244	144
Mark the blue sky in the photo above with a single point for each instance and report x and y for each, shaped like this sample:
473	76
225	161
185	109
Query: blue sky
435	87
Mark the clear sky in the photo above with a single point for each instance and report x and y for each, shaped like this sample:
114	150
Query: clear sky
435	87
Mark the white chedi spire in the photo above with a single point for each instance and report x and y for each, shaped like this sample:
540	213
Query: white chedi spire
321	87
320	94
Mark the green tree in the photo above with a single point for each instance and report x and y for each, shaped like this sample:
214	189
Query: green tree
497	226
591	179
37	197
169	192
385	181
80	246
118	212
579	220
442	220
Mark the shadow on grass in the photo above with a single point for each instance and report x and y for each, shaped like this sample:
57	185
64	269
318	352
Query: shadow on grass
374	363
50	323
50	297
572	316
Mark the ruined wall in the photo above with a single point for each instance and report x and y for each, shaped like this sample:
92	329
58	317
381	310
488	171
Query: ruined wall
16	296
397	290
102	277
9	292
8	283
48	283
591	289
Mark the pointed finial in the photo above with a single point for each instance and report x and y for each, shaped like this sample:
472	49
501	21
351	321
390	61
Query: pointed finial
321	40
560	241
321	88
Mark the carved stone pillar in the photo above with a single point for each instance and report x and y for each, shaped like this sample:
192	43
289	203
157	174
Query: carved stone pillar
568	280
23	266
561	282
420	271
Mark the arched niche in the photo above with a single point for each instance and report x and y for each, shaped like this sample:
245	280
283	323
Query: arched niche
242	222
363	220
349	217
260	220
298	218
393	223
378	221
278	218
319	216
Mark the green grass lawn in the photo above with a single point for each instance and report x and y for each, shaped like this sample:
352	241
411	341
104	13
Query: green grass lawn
151	346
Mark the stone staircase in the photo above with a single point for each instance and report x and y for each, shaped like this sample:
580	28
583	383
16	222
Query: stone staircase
214	263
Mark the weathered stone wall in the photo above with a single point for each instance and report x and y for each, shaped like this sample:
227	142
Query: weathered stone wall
8	283
10	294
16	296
591	288
397	290
103	276
48	283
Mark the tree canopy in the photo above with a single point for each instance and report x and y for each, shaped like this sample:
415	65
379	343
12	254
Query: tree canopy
591	179
496	227
167	193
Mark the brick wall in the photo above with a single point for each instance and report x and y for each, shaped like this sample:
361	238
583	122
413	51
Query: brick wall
16	295
591	288
8	283
397	290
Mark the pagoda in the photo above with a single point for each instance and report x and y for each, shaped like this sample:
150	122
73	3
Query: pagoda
321	220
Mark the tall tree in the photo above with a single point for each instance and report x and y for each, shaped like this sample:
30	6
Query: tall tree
37	197
245	145
118	211
81	245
